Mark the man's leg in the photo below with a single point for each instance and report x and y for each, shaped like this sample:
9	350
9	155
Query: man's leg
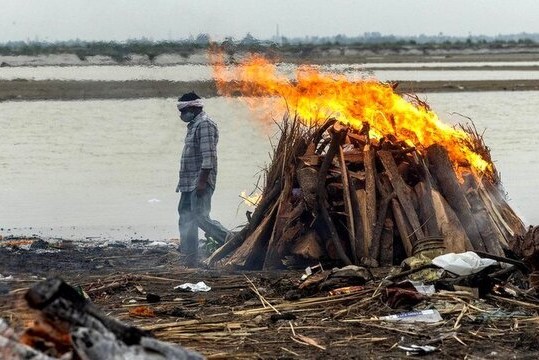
188	228
202	208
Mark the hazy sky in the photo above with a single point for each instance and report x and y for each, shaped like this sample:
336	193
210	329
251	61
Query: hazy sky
173	19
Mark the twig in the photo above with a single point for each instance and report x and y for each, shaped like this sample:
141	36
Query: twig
262	299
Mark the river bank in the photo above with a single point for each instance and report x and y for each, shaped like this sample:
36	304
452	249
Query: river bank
24	90
294	54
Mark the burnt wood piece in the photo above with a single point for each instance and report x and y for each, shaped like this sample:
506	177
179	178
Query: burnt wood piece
348	207
12	347
94	335
370	197
57	300
520	265
256	218
403	194
317	136
441	168
490	233
323	205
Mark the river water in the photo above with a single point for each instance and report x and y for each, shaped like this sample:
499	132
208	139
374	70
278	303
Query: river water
406	72
108	168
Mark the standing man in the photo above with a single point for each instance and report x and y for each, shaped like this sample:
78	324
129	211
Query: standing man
198	174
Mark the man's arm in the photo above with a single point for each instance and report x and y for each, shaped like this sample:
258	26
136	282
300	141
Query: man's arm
207	133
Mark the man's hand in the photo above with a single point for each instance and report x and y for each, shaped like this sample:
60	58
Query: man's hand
202	182
201	188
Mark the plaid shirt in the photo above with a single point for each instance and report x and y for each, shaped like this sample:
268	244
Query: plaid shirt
199	152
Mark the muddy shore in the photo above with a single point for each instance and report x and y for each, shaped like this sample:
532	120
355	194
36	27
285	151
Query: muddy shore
82	90
230	321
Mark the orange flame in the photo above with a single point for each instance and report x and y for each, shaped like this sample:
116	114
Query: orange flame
314	96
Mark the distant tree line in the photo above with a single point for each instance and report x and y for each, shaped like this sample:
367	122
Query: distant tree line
120	51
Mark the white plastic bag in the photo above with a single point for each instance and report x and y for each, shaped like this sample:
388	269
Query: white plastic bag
462	264
199	286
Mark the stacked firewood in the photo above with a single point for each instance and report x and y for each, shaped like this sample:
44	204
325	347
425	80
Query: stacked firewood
334	194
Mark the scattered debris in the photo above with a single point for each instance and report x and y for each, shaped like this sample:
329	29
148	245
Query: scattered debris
462	264
428	316
418	349
198	287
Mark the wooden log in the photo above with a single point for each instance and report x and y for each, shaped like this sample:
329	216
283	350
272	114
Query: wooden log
317	136
403	194
292	228
238	239
455	238
490	233
370	197
349	212
336	140
308	182
387	194
354	157
404	228
308	246
311	160
357	241
515	224
362	200
272	259
426	206
495	213
427	216
527	247
386	243
441	168
289	237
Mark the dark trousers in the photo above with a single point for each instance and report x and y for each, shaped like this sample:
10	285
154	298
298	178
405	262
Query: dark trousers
194	213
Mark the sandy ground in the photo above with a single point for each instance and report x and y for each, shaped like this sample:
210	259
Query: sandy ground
81	90
73	90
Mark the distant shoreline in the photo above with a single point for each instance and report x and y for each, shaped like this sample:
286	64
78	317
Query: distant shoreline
317	55
28	90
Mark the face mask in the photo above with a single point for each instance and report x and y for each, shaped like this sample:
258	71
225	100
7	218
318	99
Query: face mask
187	116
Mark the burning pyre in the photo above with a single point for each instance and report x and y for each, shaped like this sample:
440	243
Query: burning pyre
362	175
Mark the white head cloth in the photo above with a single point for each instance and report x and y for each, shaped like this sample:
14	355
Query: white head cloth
195	103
